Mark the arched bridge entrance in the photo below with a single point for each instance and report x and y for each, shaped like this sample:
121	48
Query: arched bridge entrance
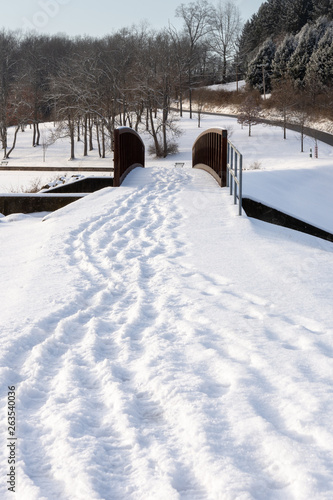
214	153
209	153
129	153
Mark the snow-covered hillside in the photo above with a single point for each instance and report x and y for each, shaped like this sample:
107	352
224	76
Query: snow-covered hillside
162	347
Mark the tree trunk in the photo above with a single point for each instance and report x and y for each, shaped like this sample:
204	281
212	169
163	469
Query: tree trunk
85	136
224	68
113	125
124	113
91	124
164	122
34	135
190	90
14	142
98	141
165	142
71	127
180	96
38	134
4	140
153	132
103	140
284	125
78	130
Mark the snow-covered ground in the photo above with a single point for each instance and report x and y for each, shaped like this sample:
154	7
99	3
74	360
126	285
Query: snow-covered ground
286	179
229	87
162	347
54	155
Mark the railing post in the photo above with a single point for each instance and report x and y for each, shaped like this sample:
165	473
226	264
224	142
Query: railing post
224	146
240	184
235	171
228	162
231	168
235	183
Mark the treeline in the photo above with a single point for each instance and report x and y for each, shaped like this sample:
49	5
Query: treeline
291	58
87	84
277	18
306	59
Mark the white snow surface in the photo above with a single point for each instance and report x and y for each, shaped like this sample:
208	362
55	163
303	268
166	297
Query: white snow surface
162	347
229	87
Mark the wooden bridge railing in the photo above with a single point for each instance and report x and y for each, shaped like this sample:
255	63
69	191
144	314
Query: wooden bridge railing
210	153
129	153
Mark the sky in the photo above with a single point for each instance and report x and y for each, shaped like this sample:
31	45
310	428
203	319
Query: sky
96	18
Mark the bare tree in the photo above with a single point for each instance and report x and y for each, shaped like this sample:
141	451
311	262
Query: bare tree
66	94
199	97
18	112
180	50
107	89
196	17
284	100
33	74
226	26
8	68
249	110
156	77
302	113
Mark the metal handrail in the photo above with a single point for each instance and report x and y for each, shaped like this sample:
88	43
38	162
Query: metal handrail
235	174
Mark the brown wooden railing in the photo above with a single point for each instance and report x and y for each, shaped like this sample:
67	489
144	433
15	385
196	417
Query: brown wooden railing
210	153
129	153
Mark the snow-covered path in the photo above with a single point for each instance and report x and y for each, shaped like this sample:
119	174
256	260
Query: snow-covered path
164	348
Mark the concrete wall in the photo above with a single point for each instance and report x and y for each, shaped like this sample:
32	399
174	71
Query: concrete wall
86	185
53	198
262	212
29	203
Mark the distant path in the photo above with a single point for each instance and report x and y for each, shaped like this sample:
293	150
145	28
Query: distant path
311	132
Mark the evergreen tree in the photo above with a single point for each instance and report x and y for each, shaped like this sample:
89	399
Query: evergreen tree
319	73
299	13
282	57
308	39
323	8
260	69
272	18
249	41
275	18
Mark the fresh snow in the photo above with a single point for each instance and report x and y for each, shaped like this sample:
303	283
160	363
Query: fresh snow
229	87
162	347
